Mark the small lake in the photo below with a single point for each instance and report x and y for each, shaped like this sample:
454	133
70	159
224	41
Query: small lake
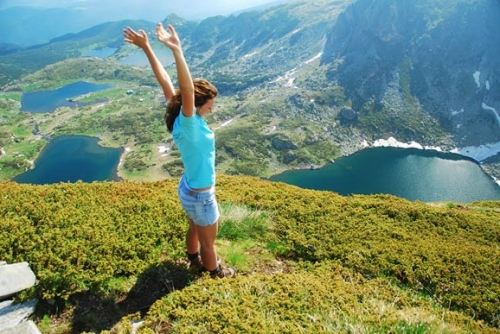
424	175
49	100
138	58
100	53
72	159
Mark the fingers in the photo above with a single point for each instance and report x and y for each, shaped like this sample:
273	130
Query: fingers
129	31
172	30
137	38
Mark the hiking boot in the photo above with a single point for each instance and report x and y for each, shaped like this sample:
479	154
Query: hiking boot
223	272
196	263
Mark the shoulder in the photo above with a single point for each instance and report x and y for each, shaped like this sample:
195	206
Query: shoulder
184	121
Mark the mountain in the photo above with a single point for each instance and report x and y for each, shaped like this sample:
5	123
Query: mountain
443	55
309	81
29	23
13	65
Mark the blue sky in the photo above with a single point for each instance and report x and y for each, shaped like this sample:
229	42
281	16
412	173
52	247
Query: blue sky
147	9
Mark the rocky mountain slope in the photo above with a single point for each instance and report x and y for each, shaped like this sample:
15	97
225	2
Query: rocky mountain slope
443	54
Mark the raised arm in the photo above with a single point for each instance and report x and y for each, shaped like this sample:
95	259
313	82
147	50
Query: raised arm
186	86
141	40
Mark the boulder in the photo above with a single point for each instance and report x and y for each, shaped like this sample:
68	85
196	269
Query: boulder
27	327
13	315
14	278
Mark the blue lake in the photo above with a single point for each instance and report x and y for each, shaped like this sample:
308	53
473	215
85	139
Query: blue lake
100	53
427	176
72	159
50	100
138	58
424	175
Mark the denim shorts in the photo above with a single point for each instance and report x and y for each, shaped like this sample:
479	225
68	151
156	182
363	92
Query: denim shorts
200	206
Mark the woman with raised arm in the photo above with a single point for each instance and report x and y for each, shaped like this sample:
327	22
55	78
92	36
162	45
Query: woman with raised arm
196	142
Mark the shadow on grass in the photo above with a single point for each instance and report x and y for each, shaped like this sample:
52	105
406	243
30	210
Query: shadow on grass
90	312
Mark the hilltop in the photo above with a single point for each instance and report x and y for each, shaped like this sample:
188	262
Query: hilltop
110	255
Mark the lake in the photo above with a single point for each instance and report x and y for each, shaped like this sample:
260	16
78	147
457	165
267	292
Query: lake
72	159
100	53
49	100
138	58
424	175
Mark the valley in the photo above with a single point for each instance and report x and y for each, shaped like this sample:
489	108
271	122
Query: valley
284	100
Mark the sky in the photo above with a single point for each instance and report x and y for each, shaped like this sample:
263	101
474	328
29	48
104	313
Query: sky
153	10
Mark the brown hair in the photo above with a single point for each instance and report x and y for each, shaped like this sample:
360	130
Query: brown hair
203	91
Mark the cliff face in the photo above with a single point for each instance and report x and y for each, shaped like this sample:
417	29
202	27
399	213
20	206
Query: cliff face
448	50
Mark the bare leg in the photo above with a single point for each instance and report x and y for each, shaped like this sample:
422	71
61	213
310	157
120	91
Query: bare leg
192	238
206	235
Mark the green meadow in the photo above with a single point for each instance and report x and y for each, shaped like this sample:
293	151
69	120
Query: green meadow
109	258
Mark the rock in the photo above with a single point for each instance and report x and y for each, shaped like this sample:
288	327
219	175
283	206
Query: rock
283	144
27	327
14	278
13	315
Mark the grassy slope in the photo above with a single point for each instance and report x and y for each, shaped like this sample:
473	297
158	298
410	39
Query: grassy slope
107	254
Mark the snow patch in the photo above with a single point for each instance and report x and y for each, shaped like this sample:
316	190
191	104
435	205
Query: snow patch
250	54
457	112
288	77
487	85
314	58
392	142
476	76
486	107
226	123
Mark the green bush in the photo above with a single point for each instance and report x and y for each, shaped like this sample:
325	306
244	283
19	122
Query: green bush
328	255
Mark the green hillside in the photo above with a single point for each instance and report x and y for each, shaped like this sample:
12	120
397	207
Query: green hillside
110	255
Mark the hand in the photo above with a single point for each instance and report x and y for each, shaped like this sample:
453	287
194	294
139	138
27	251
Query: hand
171	40
139	39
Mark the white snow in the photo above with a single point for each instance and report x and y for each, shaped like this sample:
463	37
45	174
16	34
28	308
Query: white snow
478	153
456	112
314	58
487	84
476	76
226	123
392	142
250	54
288	77
162	149
486	107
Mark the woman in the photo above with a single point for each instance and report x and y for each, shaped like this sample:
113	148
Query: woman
184	118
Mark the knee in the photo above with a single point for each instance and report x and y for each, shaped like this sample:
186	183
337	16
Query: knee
207	244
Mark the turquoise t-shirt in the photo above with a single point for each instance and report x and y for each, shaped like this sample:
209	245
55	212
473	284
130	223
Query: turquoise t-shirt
196	142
